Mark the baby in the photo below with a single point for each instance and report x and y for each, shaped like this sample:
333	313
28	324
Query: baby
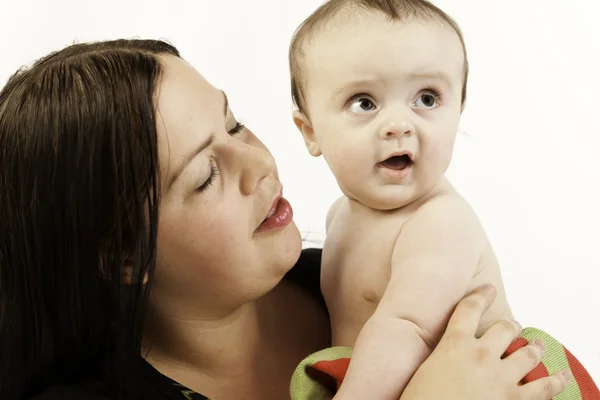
379	88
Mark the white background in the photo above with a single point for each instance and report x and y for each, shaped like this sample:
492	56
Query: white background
526	158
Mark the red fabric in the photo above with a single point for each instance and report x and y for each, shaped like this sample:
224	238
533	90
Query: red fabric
335	369
330	374
587	387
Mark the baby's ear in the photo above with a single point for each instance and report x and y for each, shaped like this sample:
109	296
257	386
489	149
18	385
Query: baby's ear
305	127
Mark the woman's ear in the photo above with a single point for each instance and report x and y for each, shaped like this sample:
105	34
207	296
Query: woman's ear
127	273
305	127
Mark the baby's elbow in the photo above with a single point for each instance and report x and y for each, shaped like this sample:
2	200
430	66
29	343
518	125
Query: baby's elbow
406	326
419	329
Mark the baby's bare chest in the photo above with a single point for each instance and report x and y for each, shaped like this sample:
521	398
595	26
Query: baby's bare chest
356	269
357	257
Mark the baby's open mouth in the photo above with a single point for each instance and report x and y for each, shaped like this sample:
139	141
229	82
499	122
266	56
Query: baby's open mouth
397	163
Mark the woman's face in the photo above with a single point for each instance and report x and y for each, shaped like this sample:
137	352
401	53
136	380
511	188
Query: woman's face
217	249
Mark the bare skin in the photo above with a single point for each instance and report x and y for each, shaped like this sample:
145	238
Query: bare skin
221	320
386	122
270	338
359	235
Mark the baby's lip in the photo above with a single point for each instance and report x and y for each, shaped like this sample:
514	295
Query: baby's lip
397	163
406	153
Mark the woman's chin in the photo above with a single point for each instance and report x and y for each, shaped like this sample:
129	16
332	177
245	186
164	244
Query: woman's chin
286	251
290	248
277	255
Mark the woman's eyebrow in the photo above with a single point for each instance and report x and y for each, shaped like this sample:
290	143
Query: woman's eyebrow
188	159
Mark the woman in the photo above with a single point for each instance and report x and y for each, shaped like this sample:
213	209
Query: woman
147	251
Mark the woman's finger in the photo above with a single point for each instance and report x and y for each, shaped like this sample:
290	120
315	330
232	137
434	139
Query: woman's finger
545	388
467	315
500	335
525	359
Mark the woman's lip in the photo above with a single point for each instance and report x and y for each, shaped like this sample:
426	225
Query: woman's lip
281	217
274	205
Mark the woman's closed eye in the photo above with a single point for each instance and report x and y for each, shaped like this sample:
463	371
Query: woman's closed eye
214	171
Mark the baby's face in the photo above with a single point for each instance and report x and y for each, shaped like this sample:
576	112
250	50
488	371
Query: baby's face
384	102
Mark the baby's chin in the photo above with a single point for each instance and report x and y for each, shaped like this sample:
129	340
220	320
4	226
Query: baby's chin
384	198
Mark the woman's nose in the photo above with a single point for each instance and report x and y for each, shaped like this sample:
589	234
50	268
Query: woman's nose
252	164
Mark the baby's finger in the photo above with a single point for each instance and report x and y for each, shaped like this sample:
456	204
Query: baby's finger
466	317
546	388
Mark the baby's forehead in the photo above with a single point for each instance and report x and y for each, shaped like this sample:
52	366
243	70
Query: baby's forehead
360	36
351	32
371	41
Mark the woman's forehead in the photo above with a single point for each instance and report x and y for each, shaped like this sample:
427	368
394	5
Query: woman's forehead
183	93
188	110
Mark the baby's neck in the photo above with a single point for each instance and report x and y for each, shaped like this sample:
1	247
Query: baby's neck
441	187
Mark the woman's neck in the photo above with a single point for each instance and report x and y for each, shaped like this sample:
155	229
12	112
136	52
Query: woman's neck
203	344
249	353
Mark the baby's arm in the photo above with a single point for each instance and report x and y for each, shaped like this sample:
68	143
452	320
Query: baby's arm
434	259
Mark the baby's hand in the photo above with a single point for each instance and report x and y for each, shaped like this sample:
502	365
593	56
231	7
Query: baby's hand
465	368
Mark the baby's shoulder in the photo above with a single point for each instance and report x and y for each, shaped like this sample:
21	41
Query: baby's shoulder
333	211
446	201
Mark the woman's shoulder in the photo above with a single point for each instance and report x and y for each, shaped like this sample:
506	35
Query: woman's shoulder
307	272
83	392
69	393
149	384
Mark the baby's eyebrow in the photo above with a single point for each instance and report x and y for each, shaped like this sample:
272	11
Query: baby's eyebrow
440	76
362	83
349	86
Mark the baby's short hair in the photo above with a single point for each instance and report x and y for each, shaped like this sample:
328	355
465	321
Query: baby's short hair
396	10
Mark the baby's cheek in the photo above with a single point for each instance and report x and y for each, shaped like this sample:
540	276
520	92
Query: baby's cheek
438	151
348	164
446	150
